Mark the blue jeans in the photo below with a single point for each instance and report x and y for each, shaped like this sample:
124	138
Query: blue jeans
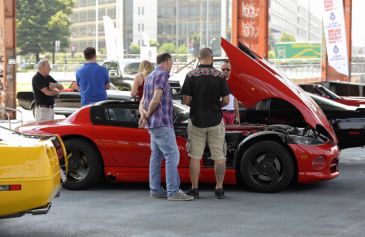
163	146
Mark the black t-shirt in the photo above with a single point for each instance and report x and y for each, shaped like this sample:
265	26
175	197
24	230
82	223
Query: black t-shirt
39	82
206	85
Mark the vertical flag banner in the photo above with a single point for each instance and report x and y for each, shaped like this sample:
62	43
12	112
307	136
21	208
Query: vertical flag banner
334	27
110	38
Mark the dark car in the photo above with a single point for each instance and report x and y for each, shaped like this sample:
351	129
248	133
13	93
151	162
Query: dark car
69	99
122	74
348	122
327	93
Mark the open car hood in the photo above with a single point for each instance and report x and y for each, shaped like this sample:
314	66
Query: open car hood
252	80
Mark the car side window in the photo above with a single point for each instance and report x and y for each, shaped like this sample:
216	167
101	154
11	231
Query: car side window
123	115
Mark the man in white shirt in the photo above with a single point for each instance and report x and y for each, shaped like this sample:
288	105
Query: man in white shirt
231	111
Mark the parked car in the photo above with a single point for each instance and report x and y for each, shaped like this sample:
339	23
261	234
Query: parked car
104	138
30	173
69	99
122	74
327	93
348	122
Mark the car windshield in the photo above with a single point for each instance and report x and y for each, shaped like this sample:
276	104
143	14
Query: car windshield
111	66
327	104
327	93
131	68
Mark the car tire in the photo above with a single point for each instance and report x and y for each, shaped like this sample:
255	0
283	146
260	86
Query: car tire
84	164
267	166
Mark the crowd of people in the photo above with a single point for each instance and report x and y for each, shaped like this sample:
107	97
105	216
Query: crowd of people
205	91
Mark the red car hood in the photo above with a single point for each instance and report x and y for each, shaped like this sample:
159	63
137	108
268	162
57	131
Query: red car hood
253	80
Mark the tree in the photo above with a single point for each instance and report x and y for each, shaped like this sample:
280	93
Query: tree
154	42
285	37
40	23
167	47
134	48
183	49
271	54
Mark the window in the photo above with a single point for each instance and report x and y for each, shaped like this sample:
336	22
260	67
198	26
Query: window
124	115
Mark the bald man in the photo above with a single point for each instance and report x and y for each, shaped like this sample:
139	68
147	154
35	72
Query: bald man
45	89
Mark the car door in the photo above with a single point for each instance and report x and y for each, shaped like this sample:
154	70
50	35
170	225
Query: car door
128	145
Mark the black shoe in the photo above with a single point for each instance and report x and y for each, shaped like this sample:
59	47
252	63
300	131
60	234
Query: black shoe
194	192
219	193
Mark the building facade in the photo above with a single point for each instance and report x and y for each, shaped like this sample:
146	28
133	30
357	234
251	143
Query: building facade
193	23
294	17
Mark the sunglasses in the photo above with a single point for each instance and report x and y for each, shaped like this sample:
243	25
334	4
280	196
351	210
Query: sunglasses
226	69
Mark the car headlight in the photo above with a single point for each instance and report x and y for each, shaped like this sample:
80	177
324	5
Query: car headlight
304	140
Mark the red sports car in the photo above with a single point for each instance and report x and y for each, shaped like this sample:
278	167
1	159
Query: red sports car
104	140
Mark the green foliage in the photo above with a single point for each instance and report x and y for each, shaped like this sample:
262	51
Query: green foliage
183	49
154	43
271	54
134	48
167	47
285	37
40	23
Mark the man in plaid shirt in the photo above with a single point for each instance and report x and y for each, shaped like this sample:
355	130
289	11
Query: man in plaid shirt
156	114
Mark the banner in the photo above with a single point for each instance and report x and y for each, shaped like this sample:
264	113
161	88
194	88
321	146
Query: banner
110	39
334	28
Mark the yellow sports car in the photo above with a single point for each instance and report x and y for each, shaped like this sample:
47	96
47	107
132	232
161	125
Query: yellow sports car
31	169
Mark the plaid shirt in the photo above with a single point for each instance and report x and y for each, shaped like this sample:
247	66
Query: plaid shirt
162	117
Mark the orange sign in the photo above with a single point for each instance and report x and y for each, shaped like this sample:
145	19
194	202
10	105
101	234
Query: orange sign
250	25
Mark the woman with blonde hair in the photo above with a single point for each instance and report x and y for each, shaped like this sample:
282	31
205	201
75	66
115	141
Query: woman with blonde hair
145	68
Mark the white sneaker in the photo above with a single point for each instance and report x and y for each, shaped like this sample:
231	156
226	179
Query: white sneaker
180	196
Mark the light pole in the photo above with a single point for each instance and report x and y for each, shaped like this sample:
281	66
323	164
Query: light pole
97	26
177	31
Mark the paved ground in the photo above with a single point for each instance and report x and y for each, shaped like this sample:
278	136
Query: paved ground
332	208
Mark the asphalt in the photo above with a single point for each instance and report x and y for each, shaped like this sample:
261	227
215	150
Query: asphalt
332	208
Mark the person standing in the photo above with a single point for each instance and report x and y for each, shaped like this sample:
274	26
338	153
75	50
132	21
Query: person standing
206	91
156	113
231	111
92	79
45	89
145	68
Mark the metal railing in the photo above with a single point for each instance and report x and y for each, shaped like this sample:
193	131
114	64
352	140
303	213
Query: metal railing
5	116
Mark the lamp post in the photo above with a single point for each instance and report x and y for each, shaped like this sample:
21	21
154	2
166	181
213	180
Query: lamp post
97	26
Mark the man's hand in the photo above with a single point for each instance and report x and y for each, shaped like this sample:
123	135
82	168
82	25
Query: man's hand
142	122
52	86
143	119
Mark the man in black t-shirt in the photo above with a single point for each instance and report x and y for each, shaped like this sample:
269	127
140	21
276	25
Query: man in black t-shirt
45	88
206	91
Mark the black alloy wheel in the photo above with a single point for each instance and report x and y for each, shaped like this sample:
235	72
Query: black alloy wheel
84	164
267	166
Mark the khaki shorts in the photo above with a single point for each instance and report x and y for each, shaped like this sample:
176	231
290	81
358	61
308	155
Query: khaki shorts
199	137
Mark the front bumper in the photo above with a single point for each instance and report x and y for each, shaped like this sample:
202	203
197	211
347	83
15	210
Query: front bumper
306	155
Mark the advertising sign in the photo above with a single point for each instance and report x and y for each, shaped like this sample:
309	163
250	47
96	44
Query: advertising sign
335	33
250	23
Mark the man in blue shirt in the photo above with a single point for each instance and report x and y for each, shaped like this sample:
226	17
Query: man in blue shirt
92	79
